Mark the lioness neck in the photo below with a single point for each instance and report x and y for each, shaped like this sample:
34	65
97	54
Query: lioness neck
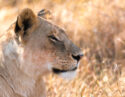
11	72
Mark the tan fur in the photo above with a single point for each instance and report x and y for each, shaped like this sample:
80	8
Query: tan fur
31	48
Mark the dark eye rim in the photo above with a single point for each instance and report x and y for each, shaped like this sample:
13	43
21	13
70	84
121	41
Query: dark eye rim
53	38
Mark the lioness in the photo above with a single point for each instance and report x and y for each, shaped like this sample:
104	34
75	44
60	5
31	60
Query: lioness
31	48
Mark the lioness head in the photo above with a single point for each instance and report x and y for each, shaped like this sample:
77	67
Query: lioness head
46	47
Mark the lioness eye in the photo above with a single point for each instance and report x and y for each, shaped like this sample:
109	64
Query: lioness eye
53	38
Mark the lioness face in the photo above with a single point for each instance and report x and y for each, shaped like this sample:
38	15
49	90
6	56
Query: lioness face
46	46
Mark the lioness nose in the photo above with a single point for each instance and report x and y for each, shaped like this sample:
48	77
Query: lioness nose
77	57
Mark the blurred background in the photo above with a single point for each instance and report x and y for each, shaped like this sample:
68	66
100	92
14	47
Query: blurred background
98	27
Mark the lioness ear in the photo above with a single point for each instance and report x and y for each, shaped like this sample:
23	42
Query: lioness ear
44	13
25	22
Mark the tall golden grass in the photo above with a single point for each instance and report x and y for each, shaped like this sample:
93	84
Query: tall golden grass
98	27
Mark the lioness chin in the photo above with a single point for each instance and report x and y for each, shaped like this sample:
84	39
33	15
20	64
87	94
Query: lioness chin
31	48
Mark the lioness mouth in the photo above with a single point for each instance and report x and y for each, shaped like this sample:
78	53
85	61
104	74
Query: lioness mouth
57	71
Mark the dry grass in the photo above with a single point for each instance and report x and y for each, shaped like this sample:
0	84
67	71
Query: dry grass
98	27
